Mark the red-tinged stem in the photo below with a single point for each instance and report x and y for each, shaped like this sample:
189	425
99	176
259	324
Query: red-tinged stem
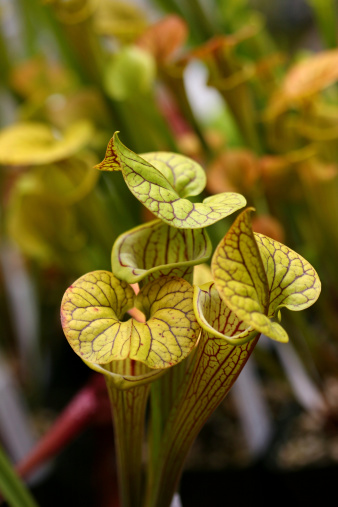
135	287
177	123
212	373
137	314
74	419
181	120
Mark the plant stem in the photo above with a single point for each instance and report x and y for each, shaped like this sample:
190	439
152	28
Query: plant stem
325	12
128	412
163	395
11	487
211	374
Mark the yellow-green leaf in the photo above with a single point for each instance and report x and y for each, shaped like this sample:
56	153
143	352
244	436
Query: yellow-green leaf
156	249
239	274
36	143
293	282
93	307
91	310
171	331
68	181
185	175
119	19
155	191
240	277
255	278
202	274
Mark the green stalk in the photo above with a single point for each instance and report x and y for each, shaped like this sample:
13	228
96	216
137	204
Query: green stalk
192	11
163	394
238	95
240	103
201	26
325	12
211	374
128	412
11	487
4	60
173	79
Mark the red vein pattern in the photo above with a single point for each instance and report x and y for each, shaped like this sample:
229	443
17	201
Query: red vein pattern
292	280
212	372
92	307
156	249
155	192
172	330
256	275
238	271
128	412
185	175
91	310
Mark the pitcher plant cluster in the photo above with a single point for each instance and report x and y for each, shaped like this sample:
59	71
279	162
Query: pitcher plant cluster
155	335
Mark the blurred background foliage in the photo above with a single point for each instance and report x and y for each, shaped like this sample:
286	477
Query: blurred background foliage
246	87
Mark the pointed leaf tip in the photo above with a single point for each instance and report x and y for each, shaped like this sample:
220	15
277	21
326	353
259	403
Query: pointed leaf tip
238	270
256	275
111	160
160	187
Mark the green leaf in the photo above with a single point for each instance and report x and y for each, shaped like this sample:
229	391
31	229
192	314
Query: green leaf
36	143
293	282
155	192
239	273
92	309
202	274
185	175
11	487
171	331
256	275
156	249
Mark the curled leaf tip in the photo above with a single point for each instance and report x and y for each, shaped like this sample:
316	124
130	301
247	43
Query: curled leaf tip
217	320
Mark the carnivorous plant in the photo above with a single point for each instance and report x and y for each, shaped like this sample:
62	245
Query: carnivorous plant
184	345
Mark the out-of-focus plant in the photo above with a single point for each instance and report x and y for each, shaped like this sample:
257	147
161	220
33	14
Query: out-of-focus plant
12	489
73	72
184	346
